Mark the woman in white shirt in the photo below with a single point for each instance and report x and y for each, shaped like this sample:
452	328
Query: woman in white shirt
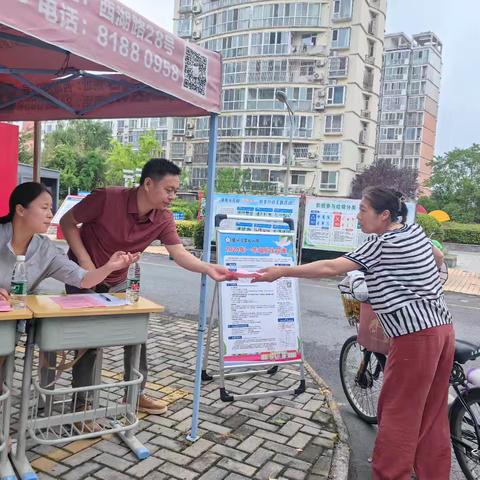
30	214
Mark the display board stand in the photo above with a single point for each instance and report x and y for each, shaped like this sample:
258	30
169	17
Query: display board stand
259	325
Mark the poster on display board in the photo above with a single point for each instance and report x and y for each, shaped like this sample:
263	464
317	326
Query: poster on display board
331	224
69	202
256	206
259	321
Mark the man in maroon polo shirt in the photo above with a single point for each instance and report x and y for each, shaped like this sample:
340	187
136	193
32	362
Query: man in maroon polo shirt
128	219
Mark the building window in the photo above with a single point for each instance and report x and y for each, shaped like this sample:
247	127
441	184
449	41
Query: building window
338	67
416	103
394	103
391	133
234	72
234	99
230	126
229	152
395	73
392	119
336	95
232	20
265	125
340	38
332	152
178	150
414	119
303	126
298	178
184	27
178	126
329	180
420	56
229	47
412	133
270	43
300	150
263	152
390	148
264	71
334	123
342	9
285	14
200	153
199	177
202	127
397	58
412	149
417	88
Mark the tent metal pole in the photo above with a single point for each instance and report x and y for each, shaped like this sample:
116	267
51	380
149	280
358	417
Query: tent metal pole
207	239
37	148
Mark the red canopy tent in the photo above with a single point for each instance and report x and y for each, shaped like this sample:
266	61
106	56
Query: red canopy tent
80	59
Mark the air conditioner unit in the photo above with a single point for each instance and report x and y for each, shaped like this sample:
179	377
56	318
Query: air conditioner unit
188	159
196	34
365	113
318	76
321	93
197	7
312	155
369	59
190	125
319	105
189	134
320	63
332	81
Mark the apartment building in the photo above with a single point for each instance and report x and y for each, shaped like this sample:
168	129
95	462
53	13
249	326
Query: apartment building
325	55
409	101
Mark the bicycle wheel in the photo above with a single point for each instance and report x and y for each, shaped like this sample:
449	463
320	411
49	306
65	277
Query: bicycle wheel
361	373
464	439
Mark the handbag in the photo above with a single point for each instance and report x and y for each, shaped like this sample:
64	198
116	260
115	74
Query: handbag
370	331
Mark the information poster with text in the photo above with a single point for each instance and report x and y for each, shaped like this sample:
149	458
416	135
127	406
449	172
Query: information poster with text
260	321
256	206
331	224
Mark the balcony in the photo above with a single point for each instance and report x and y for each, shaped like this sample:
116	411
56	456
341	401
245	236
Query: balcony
365	113
321	50
341	16
362	138
372	28
370	59
334	158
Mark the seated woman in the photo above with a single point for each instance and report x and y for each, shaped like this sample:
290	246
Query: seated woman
30	214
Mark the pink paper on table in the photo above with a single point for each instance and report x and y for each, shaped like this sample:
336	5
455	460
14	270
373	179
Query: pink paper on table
80	300
5	306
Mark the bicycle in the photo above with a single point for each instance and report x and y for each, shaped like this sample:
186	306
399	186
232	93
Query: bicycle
361	374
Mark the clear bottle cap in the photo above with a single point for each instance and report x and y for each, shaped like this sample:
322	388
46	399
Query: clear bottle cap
20	258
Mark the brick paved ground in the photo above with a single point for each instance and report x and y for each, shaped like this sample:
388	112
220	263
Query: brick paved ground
269	438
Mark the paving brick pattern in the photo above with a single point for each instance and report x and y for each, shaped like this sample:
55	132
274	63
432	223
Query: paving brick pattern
267	438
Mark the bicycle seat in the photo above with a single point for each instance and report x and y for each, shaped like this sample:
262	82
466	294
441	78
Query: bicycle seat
465	351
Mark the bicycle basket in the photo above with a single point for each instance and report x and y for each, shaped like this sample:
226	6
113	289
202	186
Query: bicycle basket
351	306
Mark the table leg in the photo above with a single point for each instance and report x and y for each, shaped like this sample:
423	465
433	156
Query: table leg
6	470
129	437
97	377
19	458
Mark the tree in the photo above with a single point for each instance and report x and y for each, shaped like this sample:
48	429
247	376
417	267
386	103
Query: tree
229	180
79	150
25	148
381	174
124	157
455	183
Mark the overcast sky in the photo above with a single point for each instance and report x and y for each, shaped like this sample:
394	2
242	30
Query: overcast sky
455	23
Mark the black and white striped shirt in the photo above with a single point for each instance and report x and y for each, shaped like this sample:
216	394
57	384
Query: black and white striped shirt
403	281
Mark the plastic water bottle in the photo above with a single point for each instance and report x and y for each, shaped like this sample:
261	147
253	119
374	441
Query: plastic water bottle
18	287
133	283
473	376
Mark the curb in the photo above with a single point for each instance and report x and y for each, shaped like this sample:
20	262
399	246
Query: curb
341	453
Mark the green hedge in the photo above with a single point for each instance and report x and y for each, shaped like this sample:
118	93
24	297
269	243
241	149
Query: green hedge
198	234
188	208
431	226
462	233
186	228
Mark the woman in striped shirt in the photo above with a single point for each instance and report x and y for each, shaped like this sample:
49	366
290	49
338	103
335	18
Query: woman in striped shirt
401	270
